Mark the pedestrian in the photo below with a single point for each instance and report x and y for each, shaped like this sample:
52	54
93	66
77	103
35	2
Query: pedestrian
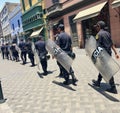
30	52
23	48
15	54
65	43
7	54
3	51
104	40
42	53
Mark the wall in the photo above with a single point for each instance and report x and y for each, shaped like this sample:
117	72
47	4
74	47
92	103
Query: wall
14	21
115	25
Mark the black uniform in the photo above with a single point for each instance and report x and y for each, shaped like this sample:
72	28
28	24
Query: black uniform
14	52
23	48
30	53
64	41
104	40
42	52
3	50
7	51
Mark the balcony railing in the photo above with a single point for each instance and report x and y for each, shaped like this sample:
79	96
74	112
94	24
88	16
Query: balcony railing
55	8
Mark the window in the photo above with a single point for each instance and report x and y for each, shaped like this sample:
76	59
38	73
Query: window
55	1
72	25
30	2
73	30
23	6
13	27
18	23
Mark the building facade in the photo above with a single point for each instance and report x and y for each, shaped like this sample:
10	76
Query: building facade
1	34
115	21
33	19
79	16
4	16
16	24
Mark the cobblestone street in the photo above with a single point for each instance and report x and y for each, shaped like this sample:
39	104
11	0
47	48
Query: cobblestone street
27	91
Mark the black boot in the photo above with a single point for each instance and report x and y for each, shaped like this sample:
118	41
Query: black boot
66	77
96	83
66	82
74	80
113	87
112	90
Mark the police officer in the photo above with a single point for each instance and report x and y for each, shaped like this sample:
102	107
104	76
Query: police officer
104	40
30	52
7	54
15	54
3	50
42	53
23	48
65	43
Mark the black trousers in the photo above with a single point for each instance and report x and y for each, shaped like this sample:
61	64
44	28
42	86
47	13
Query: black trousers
60	68
111	81
65	73
44	64
3	54
23	56
16	55
31	57
7	54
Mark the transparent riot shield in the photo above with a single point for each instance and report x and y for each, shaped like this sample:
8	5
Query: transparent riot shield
59	54
36	55
105	64
10	53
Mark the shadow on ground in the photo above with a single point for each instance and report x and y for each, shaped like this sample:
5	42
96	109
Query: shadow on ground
65	86
101	90
41	75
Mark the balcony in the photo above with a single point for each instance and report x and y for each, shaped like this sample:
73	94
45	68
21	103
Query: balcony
54	10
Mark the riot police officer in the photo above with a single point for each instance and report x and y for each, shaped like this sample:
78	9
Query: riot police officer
30	52
42	53
7	54
23	48
3	50
65	43
104	40
15	54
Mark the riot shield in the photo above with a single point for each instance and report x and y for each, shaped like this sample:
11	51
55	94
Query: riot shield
36	55
10	53
59	54
105	64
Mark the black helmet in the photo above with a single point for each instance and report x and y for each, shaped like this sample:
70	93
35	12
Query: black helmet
101	24
61	26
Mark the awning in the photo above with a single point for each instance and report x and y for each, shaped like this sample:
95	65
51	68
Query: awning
90	12
25	33
116	3
36	33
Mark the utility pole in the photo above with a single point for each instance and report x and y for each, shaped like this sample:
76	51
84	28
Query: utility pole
1	94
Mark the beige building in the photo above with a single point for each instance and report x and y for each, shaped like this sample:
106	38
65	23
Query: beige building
79	16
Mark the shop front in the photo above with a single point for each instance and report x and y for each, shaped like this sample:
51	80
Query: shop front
115	21
32	21
90	16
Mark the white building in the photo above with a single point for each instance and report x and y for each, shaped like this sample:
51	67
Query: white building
4	16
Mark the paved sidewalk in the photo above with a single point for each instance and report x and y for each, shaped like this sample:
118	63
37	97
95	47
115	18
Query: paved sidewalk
27	91
4	108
